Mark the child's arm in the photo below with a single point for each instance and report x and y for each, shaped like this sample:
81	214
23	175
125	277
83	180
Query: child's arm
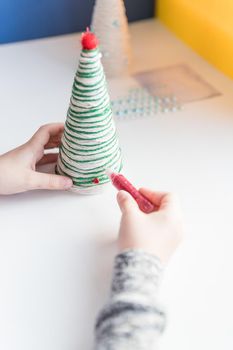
133	318
18	167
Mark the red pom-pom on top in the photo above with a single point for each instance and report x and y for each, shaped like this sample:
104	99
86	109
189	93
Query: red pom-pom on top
89	40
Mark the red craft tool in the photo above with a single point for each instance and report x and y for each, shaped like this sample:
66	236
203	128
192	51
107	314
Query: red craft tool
121	183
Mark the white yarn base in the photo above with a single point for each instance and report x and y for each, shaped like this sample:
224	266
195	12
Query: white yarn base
98	189
92	190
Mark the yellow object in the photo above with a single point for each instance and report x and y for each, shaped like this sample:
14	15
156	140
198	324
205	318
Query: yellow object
205	25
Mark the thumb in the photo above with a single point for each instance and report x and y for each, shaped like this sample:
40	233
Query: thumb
49	182
126	202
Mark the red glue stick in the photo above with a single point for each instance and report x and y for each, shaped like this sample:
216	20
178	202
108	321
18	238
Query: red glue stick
121	183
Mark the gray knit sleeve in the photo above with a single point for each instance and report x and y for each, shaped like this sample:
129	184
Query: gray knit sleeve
132	319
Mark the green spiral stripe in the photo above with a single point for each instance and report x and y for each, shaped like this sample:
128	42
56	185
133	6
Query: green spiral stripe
91	152
104	143
84	114
87	160
83	126
97	170
89	148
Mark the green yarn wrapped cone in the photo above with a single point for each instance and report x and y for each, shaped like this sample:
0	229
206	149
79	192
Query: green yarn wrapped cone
89	144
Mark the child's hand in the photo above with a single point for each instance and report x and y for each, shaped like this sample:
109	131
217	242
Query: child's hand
157	233
18	167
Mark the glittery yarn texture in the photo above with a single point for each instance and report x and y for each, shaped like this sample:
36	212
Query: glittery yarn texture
89	144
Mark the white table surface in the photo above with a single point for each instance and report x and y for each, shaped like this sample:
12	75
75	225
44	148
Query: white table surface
56	249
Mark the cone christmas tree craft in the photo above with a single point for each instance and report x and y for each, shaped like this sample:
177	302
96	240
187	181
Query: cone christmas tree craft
89	144
110	24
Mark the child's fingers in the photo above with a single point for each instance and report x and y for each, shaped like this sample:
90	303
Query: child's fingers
48	181
170	202
163	200
48	159
126	202
153	196
45	132
54	141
